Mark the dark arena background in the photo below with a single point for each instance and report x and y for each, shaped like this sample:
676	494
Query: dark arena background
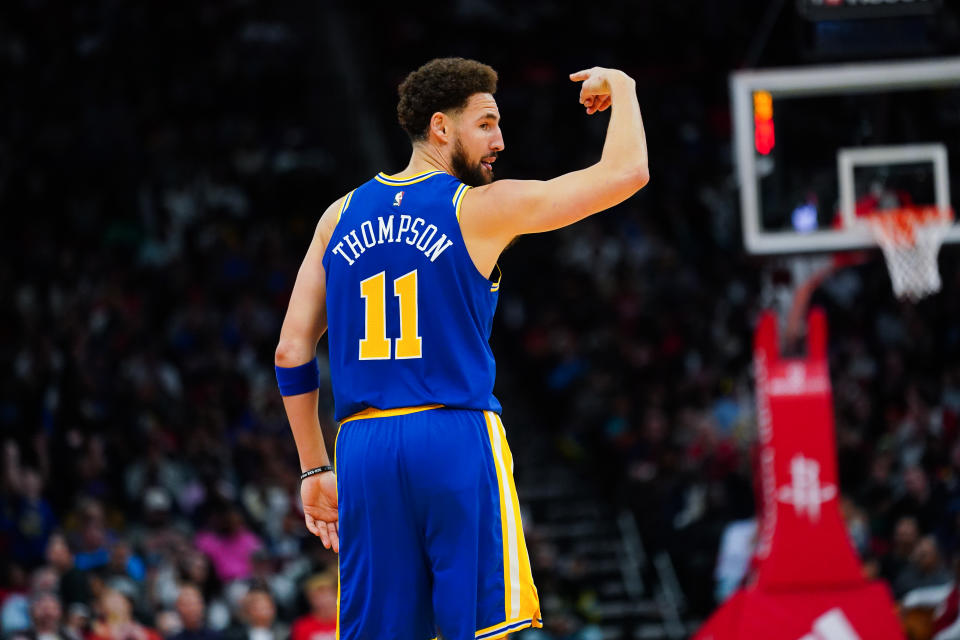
163	166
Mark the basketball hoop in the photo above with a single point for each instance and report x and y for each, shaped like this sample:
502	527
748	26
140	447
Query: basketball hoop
910	238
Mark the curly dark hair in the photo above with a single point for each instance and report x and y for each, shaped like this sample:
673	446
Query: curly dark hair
440	85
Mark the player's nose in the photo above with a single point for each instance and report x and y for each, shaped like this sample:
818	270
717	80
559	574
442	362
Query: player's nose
497	143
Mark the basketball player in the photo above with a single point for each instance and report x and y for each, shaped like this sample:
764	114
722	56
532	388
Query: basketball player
402	273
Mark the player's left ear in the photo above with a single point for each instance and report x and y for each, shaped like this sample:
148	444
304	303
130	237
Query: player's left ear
441	126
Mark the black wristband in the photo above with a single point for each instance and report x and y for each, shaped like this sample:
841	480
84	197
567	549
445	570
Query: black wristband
315	471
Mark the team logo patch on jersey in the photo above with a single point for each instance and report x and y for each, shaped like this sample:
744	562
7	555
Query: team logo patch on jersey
397	198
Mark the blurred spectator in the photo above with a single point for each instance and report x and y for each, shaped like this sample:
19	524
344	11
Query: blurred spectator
321	622
919	501
115	620
736	550
190	608
925	569
229	544
258	618
876	493
906	533
45	616
16	612
191	568
168	623
93	538
29	517
946	623
74	585
857	526
14	608
124	571
77	624
266	570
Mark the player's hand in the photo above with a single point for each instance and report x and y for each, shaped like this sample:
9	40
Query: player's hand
595	92
319	496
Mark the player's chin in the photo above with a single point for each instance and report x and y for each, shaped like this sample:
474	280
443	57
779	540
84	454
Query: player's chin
487	172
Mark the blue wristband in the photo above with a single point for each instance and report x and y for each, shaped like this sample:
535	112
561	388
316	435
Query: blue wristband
296	380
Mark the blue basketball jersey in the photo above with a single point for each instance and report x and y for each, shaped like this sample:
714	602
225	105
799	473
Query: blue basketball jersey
408	313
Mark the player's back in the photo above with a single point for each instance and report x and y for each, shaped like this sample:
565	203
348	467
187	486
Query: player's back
408	313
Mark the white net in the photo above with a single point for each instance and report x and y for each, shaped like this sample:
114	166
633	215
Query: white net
910	239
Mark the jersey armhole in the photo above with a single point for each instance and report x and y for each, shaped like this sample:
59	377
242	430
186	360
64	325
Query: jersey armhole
457	203
458	199
495	284
343	207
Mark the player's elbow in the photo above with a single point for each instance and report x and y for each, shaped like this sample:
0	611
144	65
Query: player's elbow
639	176
627	178
291	353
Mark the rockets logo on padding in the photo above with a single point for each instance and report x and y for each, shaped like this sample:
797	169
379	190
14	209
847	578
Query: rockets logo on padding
805	492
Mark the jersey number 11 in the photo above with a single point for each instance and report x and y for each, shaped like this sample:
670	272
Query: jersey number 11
375	345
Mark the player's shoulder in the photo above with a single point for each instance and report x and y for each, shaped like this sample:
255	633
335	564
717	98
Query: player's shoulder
331	215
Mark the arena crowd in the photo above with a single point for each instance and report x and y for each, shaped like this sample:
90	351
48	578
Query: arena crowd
161	171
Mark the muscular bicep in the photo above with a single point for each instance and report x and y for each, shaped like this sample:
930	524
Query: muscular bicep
509	208
307	314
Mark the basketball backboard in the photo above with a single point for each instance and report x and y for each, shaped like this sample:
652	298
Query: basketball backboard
818	147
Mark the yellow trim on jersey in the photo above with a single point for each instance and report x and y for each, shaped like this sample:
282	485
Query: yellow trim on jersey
520	595
344	205
456	194
496	284
400	182
458	198
373	412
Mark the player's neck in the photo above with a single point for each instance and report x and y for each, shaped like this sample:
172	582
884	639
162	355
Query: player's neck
425	157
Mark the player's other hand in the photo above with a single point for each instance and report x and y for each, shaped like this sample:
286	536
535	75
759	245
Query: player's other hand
319	496
595	92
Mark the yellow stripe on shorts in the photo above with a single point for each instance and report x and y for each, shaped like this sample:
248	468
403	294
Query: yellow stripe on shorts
520	596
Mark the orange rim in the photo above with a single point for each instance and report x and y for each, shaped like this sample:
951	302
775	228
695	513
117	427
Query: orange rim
900	225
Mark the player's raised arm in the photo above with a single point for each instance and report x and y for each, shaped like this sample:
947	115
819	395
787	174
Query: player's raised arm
303	325
508	208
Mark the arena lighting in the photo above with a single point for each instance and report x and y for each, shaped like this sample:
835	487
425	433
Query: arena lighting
804	218
763	136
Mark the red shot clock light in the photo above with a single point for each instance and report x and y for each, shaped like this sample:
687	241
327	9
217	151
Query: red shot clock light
763	136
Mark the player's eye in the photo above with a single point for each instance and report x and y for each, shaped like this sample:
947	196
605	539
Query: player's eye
484	126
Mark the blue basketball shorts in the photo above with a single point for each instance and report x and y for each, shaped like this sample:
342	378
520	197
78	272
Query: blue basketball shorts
431	542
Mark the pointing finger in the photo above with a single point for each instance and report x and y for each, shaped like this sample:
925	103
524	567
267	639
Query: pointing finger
580	75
